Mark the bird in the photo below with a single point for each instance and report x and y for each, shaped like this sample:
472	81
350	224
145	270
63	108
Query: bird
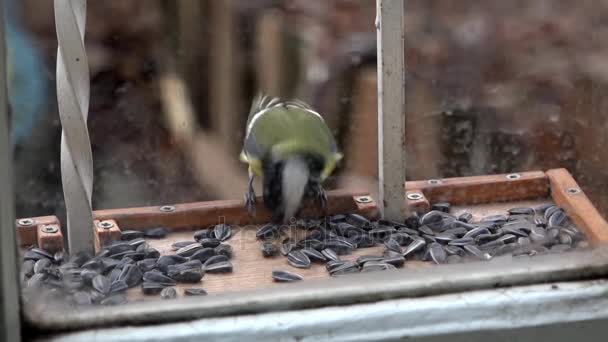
290	146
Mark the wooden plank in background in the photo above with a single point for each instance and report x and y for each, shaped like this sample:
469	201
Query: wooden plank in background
484	189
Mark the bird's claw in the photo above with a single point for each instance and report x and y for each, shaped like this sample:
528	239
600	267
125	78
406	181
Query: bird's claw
250	202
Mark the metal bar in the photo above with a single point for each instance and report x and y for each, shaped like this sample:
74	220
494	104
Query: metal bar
352	289
9	279
391	108
73	103
473	313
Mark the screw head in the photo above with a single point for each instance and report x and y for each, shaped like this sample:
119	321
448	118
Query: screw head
26	222
363	199
50	229
434	181
513	176
167	208
414	196
105	224
573	191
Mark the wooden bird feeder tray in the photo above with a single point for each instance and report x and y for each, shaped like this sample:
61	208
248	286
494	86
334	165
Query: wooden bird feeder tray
479	195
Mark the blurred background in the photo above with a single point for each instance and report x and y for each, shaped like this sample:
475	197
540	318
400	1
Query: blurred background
492	86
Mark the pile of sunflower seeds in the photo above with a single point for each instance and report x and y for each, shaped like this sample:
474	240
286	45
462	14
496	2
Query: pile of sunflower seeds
437	236
104	278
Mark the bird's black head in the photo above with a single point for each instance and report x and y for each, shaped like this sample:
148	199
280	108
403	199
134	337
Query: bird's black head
273	182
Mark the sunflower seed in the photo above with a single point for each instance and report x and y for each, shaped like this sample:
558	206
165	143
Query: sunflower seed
137	242
358	221
476	232
131	275
168	293
190	275
101	284
432	218
558	218
215	259
203	234
181	244
508	238
495	219
267	232
373	266
365	258
462	241
195	292
297	258
416	245
203	254
538	234
285	277
42	265
443	206
314	255
286	246
565	239
157	277
540	222
445	237
345	268
146	264
224	249
521	211
60	256
156	233
437	253
465	217
453	250
93	265
542	208
393	245
330	254
88	275
396	261
219	267
340	245
27	268
476	252
128	235
381	232
365	241
222	232
426	230
269	249
550	211
118	286
189	250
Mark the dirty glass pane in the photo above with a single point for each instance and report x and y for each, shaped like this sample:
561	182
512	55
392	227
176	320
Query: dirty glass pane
492	87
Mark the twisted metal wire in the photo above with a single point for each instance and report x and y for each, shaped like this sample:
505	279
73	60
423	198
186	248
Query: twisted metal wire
73	100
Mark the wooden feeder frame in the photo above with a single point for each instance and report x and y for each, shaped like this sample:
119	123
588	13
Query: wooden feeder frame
557	184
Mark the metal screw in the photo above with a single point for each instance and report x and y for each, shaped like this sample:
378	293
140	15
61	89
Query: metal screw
105	224
50	229
434	181
573	191
167	208
25	222
414	196
363	199
513	176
